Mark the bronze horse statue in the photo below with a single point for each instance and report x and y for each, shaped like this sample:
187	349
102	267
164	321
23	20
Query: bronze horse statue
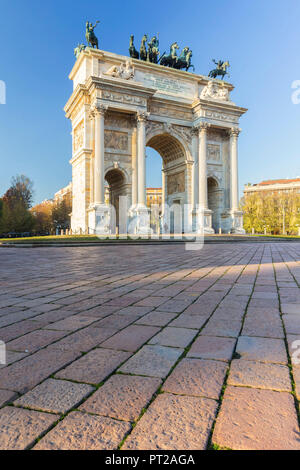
184	60
132	50
143	49
171	59
90	35
221	69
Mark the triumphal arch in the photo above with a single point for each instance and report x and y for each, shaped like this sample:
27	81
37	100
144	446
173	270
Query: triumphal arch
121	105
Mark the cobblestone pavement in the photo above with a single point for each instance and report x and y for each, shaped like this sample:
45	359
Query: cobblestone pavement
150	347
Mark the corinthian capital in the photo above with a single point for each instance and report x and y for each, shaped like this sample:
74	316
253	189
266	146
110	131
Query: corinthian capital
142	116
195	131
98	108
235	131
203	126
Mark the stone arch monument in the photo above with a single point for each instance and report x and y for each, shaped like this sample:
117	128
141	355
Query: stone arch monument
190	121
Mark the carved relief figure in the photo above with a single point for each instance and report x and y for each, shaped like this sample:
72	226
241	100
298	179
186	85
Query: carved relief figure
215	91
116	140
125	71
176	183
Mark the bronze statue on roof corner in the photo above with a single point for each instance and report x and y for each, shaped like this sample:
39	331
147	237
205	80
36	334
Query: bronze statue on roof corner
90	36
134	54
221	69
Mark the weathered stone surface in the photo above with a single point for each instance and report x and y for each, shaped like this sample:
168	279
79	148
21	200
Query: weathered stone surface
35	340
293	308
292	323
260	375
6	396
79	431
222	327
210	347
156	318
131	338
262	349
197	377
153	361
252	419
56	396
72	323
174	423
19	428
27	373
189	321
176	337
84	340
95	366
122	397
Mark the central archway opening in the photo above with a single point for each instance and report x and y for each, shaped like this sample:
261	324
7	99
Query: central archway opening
116	187
166	179
213	194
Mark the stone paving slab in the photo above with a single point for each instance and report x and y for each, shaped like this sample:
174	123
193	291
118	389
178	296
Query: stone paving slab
152	360
55	396
72	323
252	419
262	349
260	375
188	321
197	377
20	428
94	367
79	431
131	338
122	397
174	423
6	396
156	318
34	341
30	371
210	347
176	337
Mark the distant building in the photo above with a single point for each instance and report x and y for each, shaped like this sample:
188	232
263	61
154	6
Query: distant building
64	194
279	186
154	196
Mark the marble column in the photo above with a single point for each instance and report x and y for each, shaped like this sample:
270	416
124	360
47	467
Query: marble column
141	157
236	214
202	200
99	113
195	170
204	214
234	133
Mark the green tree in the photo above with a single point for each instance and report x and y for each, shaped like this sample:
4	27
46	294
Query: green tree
61	215
16	202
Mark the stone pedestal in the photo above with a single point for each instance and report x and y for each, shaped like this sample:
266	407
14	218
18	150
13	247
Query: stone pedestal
99	220
202	221
140	221
237	222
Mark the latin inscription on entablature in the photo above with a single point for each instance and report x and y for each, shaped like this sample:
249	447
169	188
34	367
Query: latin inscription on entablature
219	116
170	112
167	84
176	183
123	98
116	140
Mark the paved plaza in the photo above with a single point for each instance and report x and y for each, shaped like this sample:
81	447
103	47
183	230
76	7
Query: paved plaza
150	347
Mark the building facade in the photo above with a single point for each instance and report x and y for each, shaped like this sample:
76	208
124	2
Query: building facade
118	107
280	186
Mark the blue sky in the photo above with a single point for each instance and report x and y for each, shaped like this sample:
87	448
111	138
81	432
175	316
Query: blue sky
261	39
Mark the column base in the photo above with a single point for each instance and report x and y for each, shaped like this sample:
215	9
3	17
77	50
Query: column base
99	219
237	222
202	221
140	220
